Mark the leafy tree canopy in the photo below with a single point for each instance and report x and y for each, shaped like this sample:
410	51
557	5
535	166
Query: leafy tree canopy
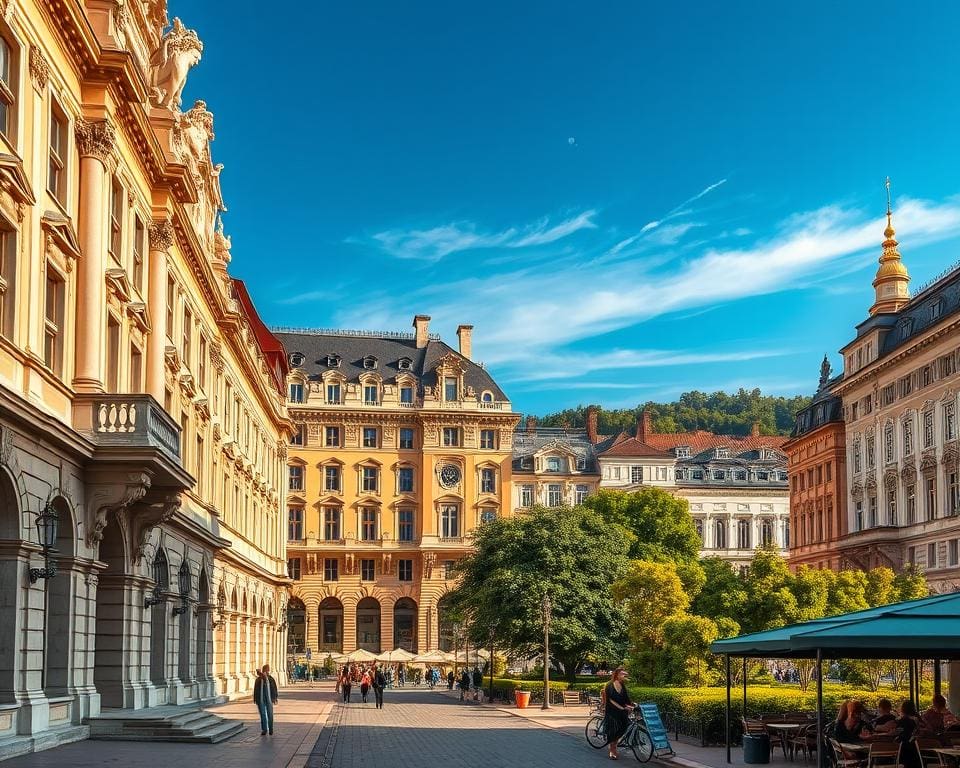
719	412
573	555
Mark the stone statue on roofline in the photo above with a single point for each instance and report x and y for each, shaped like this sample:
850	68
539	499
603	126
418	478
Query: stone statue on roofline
825	371
179	50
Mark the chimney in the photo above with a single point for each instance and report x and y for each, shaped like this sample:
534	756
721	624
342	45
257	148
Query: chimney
531	424
422	325
592	423
644	425
755	429
465	335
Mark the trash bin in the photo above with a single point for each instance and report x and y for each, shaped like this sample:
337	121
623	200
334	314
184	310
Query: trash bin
756	748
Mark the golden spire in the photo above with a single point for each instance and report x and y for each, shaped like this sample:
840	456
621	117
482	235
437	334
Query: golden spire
890	283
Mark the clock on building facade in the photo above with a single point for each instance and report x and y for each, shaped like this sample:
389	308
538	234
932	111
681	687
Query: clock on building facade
449	475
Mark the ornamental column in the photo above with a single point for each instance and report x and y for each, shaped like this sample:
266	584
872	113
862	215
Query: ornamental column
161	240
96	140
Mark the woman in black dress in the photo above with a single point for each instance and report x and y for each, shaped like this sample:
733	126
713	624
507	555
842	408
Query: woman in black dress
616	712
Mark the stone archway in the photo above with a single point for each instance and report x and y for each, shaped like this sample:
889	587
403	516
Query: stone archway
368	624
158	625
12	557
405	624
110	663
202	656
60	604
331	625
296	626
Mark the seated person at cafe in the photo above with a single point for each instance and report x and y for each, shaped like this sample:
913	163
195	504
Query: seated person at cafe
885	722
907	726
851	725
938	717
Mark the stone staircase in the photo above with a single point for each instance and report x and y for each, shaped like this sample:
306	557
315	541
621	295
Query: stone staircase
191	725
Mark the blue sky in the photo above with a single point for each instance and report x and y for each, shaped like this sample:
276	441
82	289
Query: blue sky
627	200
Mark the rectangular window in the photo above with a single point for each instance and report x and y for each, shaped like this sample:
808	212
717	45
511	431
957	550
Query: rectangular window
371	394
187	338
370	478
405	524
8	89
740	474
636	475
406	438
405	480
139	250
370	437
931	488
911	504
331	523
581	494
171	305
953	493
367	569
296	478
295	524
53	322
950	421
115	245
953	554
488	439
858	516
57	168
743	534
331	569
931	555
829	467
331	479
8	278
887	395
451	437
719	474
892	506
871	452
697	474
554	495
293	568
136	369
299	433
113	354
488	480
333	394
202	363
449	388
406	395
763	476
405	570
872	511
332	437
526	496
450	521
911	555
368	524
296	393
927	429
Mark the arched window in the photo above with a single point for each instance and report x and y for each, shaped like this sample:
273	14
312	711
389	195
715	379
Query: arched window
743	534
766	533
368	625
158	622
331	625
296	626
59	640
405	624
720	534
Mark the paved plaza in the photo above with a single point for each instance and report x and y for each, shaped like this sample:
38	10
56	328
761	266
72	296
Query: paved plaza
416	728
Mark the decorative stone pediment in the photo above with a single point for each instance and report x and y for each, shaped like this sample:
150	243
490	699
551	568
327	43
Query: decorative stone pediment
872	483
60	233
119	284
14	180
138	313
856	491
188	386
951	455
928	462
890	479
202	407
909	474
171	357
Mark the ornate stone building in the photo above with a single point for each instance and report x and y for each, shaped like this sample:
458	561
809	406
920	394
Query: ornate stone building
402	447
816	456
736	486
899	394
552	466
141	403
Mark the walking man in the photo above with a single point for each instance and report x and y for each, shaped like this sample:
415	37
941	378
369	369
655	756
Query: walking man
379	683
265	695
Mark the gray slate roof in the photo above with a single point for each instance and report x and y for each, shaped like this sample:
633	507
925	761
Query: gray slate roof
388	349
526	444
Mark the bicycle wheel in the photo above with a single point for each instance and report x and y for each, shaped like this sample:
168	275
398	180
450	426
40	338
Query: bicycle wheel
595	732
642	745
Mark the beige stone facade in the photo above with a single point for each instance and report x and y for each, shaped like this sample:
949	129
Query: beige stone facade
402	448
140	396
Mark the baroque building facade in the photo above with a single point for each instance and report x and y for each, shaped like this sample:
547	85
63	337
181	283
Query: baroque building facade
142	418
736	487
817	468
899	393
402	447
552	466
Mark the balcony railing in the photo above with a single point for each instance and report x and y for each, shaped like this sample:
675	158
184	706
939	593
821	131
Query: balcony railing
127	420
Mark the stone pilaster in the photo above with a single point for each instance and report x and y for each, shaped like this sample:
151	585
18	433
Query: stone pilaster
161	240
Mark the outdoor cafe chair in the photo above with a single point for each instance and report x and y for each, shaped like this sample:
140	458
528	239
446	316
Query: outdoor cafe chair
805	741
926	748
884	753
842	759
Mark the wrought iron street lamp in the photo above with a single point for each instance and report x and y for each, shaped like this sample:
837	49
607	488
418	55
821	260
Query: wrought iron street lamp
221	618
47	523
159	582
545	605
183	581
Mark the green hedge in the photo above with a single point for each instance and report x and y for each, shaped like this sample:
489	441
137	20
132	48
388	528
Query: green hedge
507	685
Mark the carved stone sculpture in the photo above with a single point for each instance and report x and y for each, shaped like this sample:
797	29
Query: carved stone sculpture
179	50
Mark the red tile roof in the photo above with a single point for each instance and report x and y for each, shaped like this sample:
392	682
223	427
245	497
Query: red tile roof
701	440
630	446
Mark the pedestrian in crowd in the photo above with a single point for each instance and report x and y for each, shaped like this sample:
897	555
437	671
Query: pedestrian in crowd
477	683
450	679
401	676
265	695
345	685
616	715
336	687
464	683
379	683
364	686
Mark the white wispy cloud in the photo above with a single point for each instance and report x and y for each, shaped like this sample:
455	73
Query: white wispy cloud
436	243
681	210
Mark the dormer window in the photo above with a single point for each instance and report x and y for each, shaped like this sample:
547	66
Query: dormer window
486	397
722	453
553	464
296	392
450	388
370	363
404	363
333	361
581	464
936	309
296	359
682	451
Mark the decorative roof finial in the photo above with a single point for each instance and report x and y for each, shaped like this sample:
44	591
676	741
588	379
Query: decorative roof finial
890	283
889	231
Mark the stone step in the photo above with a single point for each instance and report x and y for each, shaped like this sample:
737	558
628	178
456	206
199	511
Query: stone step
195	725
213	734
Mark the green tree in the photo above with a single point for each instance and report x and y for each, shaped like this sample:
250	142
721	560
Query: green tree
659	523
572	555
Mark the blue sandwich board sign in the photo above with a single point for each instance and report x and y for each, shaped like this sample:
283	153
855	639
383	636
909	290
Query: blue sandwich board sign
658	733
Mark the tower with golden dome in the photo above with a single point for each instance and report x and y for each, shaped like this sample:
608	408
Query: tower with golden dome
892	280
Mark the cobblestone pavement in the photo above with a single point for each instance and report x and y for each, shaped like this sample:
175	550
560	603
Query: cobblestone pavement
418	728
299	719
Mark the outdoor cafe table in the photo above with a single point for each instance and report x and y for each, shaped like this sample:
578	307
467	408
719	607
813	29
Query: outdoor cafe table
855	746
952	751
784	730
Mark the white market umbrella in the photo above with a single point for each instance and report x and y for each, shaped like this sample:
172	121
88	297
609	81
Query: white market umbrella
336	658
434	657
361	655
396	655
